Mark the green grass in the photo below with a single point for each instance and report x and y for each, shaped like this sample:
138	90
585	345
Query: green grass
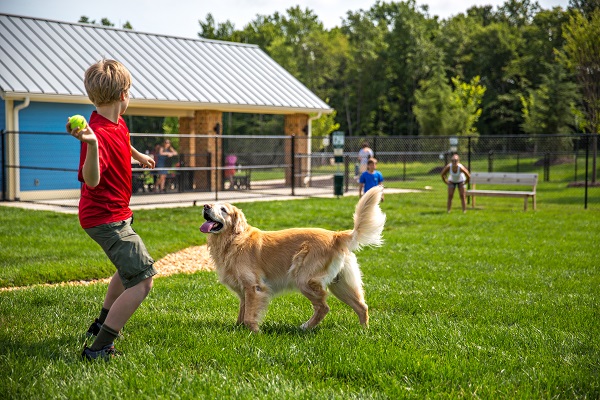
495	303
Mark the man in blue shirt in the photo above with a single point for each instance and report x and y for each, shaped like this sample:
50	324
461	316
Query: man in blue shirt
370	178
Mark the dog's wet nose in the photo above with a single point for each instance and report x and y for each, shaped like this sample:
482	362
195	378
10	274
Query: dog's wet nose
207	206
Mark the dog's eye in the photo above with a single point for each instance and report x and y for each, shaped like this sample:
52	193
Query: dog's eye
224	210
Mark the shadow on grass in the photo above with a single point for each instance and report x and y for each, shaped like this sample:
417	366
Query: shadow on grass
267	328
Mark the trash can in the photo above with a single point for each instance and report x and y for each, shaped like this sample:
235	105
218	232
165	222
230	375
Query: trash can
338	184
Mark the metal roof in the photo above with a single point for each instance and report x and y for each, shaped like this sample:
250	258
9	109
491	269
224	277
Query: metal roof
46	60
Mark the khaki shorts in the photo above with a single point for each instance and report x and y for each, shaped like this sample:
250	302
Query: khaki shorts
126	251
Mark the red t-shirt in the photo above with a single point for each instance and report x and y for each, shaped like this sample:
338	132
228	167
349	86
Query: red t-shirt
109	201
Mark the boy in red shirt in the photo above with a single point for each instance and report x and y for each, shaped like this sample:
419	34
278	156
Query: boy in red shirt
104	213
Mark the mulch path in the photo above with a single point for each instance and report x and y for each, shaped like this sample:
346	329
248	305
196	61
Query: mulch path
186	261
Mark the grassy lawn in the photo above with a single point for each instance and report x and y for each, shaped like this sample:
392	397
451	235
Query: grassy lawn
495	303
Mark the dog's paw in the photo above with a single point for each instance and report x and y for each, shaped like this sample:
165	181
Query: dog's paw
252	326
304	326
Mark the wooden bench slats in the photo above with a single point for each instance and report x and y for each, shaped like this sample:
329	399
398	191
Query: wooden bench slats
502	178
505	193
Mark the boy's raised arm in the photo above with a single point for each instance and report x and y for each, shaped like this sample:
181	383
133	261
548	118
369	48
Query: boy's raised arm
91	165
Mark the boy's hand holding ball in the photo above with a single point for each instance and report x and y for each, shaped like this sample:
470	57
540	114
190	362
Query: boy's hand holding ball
78	127
77	122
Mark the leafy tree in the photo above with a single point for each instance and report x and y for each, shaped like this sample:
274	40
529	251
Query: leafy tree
260	31
492	56
551	108
455	41
390	69
104	22
581	54
361	74
585	7
441	110
465	107
541	38
432	103
409	57
323	127
221	31
482	15
518	13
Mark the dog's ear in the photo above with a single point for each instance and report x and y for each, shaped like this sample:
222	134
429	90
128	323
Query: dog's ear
239	223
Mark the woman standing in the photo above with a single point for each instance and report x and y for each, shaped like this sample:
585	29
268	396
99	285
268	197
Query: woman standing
456	175
164	153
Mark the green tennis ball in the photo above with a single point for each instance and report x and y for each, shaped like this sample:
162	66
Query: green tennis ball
77	121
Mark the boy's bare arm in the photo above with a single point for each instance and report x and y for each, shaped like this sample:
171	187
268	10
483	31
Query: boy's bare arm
91	165
145	160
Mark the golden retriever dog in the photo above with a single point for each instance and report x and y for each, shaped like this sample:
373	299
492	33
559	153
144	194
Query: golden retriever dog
257	265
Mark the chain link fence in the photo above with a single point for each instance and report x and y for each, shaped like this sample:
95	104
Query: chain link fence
42	167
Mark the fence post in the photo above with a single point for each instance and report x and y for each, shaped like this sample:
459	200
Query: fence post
491	161
547	167
587	156
375	146
3	166
346	172
217	170
469	153
293	166
469	165
576	151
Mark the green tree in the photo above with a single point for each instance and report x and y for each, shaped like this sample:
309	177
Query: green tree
410	57
432	102
446	111
361	73
492	56
541	38
104	22
551	108
220	31
518	13
323	127
581	54
465	108
585	7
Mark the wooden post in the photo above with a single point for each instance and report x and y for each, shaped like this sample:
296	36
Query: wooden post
201	150
296	125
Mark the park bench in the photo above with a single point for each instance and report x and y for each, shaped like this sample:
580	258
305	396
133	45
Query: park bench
502	178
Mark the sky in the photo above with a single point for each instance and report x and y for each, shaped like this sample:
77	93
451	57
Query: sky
180	17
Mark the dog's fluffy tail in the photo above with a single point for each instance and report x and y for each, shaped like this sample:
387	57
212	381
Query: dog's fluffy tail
368	220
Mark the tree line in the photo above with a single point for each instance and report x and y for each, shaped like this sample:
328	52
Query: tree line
395	69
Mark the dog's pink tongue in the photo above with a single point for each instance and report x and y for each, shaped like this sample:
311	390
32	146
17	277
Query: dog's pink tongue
207	226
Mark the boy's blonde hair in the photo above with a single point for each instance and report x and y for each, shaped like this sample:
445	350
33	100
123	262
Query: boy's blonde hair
105	81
